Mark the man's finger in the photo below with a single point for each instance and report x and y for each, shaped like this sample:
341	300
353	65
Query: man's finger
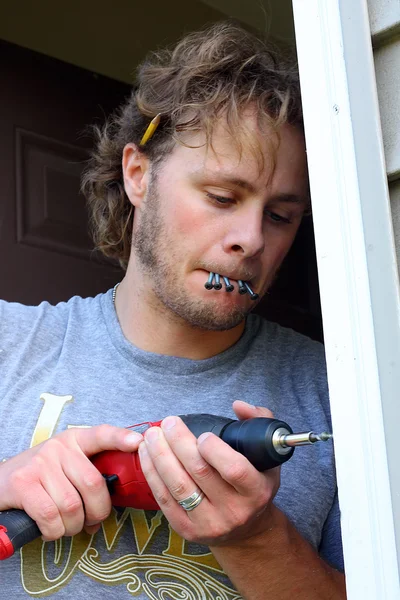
233	467
65	497
160	491
184	446
106	437
92	529
243	410
41	508
92	489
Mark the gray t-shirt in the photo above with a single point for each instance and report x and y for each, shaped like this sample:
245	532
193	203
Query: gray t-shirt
71	366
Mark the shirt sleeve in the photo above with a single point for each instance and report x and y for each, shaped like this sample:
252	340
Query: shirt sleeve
330	548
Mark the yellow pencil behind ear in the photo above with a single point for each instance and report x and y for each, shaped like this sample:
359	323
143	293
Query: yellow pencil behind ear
150	129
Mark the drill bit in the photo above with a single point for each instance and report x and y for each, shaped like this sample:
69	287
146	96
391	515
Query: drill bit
320	437
283	441
303	439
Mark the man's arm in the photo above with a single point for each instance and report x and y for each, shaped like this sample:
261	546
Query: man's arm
279	563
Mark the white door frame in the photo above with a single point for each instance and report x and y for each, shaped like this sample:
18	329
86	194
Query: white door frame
358	278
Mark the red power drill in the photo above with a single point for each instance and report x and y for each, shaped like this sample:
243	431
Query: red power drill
266	443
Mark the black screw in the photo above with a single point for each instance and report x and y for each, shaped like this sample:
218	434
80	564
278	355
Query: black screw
242	287
253	295
228	286
209	283
217	284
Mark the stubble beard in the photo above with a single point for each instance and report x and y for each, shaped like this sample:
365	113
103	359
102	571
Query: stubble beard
157	257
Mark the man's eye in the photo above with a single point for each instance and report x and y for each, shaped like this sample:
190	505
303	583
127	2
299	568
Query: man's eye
219	199
277	218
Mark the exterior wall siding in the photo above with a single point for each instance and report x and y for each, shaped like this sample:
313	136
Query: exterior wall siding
387	69
394	189
384	18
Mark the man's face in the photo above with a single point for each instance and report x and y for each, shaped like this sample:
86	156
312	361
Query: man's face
217	211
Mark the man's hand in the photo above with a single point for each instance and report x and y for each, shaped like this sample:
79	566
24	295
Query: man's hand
237	496
255	544
58	486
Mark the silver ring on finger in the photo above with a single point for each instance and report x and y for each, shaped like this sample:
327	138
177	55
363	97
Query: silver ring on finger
192	501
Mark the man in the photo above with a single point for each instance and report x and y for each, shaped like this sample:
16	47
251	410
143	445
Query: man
218	188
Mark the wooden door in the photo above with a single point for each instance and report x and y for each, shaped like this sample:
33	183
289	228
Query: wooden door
45	106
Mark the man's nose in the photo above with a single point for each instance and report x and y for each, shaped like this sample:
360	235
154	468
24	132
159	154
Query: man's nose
245	236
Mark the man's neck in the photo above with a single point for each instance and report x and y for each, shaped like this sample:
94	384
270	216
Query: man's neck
154	329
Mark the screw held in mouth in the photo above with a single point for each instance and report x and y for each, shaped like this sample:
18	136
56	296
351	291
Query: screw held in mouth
242	287
217	284
214	282
228	286
209	283
253	295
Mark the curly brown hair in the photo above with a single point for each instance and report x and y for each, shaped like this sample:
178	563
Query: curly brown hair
219	71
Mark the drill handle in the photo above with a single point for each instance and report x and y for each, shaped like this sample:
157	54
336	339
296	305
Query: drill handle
16	529
199	423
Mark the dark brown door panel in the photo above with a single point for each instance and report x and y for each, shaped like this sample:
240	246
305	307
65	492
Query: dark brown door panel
45	109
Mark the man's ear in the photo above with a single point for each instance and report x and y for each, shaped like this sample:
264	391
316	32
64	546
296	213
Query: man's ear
135	167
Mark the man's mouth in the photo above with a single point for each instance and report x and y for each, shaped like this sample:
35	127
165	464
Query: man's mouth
217	281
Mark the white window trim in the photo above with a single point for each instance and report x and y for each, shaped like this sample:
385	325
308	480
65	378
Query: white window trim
358	279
